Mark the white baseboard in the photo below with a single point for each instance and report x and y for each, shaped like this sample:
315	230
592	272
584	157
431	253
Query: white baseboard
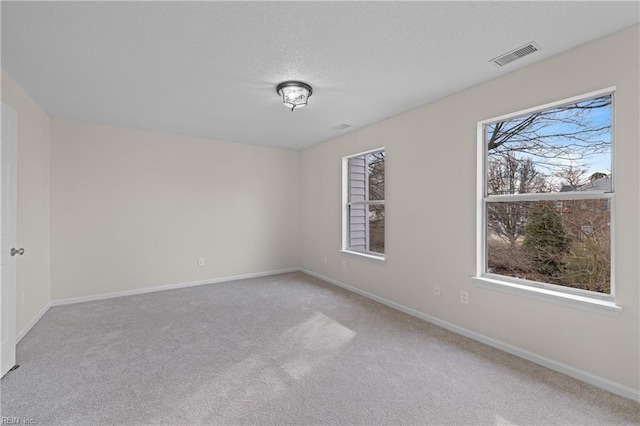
167	287
584	376
33	322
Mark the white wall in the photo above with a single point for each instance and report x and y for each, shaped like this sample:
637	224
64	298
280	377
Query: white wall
430	235
33	274
134	209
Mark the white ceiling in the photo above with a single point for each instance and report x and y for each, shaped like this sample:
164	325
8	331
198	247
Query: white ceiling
210	68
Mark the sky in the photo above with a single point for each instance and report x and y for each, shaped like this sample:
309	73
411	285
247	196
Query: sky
557	130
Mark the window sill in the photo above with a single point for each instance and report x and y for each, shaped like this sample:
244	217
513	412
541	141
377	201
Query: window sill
365	256
605	307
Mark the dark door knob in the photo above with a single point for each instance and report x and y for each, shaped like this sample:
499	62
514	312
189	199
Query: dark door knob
15	251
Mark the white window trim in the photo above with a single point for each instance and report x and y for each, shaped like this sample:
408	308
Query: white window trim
375	258
591	304
575	298
370	256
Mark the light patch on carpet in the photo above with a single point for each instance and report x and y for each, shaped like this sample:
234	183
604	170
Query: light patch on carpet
501	421
313	343
295	354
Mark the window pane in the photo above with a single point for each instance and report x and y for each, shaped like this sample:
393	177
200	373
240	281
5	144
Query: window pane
358	227
376	228
358	179
375	163
566	243
366	228
565	148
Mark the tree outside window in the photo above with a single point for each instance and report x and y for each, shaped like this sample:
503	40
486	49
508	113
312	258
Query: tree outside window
547	196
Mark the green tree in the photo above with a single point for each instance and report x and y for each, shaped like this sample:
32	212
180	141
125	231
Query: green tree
545	239
588	266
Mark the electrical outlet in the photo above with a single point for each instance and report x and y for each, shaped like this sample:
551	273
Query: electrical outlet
436	290
201	261
22	297
325	258
344	264
464	297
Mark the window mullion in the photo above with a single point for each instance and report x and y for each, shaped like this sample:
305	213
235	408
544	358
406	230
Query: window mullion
368	203
548	196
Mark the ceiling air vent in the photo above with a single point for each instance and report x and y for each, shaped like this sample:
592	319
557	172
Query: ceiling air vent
518	53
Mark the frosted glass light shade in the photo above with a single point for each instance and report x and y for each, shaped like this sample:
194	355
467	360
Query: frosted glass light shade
295	94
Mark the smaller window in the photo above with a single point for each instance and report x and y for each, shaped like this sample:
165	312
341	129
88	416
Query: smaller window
364	206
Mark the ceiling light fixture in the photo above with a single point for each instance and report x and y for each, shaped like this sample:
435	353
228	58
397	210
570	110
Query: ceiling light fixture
295	94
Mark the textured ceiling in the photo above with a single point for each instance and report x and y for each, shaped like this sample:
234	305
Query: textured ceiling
210	68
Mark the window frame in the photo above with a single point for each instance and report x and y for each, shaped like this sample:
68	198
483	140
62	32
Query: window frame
579	298
347	203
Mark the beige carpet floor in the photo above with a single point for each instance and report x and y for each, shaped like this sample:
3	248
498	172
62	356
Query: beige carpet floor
285	349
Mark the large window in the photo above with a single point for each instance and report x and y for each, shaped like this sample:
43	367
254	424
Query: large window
547	197
363	224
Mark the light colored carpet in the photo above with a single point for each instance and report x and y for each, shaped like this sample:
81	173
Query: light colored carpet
285	349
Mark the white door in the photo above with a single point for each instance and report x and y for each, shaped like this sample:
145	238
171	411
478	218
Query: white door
9	213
